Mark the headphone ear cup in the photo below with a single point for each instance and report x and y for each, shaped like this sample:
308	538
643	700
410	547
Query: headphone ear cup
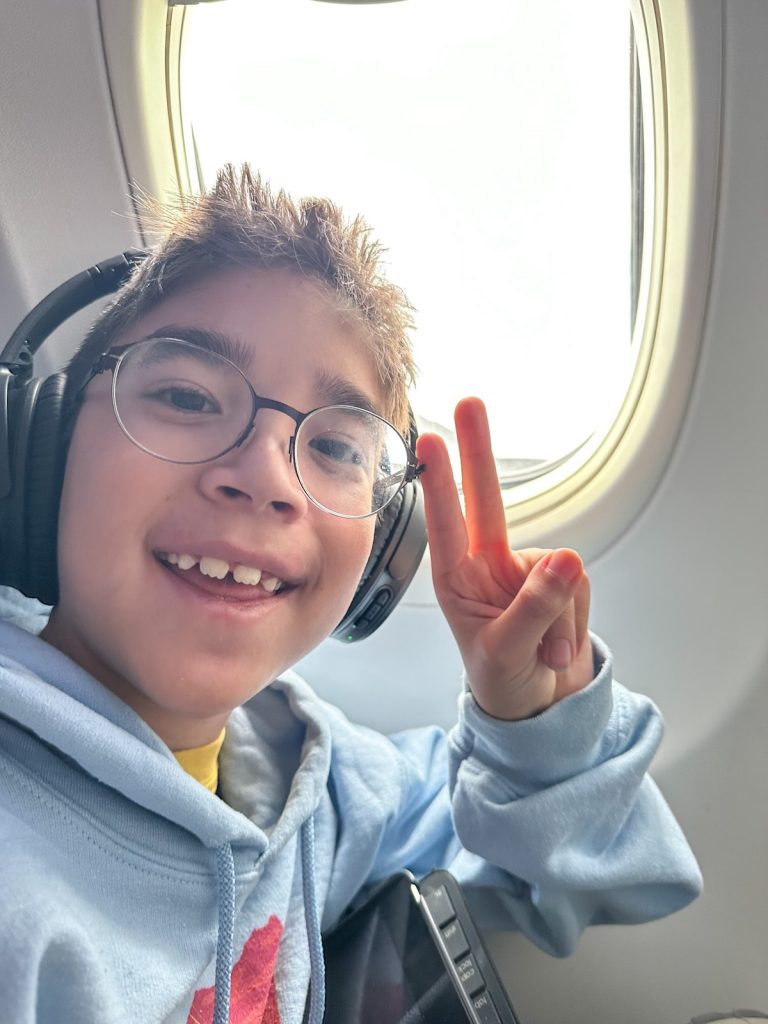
34	433
386	525
44	474
398	545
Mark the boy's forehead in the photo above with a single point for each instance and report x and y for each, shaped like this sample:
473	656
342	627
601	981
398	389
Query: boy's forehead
243	302
254	317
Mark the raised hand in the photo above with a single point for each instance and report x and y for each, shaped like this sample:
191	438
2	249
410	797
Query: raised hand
519	617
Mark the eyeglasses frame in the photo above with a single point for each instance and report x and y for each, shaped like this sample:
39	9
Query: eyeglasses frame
113	358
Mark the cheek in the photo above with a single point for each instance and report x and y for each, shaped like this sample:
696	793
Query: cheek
100	506
87	533
347	552
79	497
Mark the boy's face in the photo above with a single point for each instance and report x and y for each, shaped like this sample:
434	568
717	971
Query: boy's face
181	648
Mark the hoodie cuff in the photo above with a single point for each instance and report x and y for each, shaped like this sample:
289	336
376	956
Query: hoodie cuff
570	737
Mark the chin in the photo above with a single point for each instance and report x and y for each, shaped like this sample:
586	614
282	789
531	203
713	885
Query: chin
207	692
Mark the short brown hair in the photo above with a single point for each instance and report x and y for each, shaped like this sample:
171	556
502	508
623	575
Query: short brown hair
242	222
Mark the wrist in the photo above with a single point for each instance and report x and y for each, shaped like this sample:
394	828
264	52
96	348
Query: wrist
523	703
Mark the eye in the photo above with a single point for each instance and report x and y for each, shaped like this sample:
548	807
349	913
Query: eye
338	449
184	398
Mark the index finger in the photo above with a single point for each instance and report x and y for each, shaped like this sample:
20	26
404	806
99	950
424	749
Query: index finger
486	521
445	520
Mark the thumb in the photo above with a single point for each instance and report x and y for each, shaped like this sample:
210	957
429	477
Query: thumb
544	599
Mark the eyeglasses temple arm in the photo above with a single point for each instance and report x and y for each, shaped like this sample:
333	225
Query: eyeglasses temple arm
411	473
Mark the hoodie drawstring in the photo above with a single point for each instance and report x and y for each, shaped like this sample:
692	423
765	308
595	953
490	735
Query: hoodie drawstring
225	885
312	919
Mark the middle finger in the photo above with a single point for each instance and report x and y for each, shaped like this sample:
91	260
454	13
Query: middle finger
486	520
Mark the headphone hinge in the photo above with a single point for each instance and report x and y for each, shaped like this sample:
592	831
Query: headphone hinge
20	367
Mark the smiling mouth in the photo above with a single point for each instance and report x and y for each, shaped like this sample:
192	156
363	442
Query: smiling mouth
225	579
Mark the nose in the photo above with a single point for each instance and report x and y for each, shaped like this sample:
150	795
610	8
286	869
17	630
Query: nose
258	475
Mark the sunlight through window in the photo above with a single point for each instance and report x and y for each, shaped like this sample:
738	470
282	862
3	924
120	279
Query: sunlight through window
489	146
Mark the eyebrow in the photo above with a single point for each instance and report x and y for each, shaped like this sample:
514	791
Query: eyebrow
233	349
338	390
332	387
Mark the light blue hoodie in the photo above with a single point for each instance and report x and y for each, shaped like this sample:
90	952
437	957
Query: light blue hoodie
132	894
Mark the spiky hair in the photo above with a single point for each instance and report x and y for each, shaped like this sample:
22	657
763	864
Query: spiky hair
241	222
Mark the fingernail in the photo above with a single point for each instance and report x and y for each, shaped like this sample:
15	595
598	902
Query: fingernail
564	565
560	653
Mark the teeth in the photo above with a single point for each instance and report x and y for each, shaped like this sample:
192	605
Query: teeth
213	567
245	574
217	569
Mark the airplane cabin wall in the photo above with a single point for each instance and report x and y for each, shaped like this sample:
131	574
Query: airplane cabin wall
64	196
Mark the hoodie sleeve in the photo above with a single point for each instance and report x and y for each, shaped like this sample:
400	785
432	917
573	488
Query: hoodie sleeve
550	823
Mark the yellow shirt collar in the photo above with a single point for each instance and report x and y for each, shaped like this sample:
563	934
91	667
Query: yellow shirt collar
202	763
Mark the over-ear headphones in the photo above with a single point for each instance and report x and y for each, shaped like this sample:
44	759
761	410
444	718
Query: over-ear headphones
33	451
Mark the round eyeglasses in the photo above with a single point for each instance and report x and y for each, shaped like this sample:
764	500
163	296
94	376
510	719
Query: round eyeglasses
187	404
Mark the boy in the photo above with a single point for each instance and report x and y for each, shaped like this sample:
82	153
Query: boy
211	533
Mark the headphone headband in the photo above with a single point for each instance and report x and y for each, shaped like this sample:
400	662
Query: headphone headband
68	298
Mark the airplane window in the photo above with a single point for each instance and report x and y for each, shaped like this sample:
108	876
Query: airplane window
498	151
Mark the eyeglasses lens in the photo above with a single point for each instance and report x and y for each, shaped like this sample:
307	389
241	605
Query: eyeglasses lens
350	461
180	402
